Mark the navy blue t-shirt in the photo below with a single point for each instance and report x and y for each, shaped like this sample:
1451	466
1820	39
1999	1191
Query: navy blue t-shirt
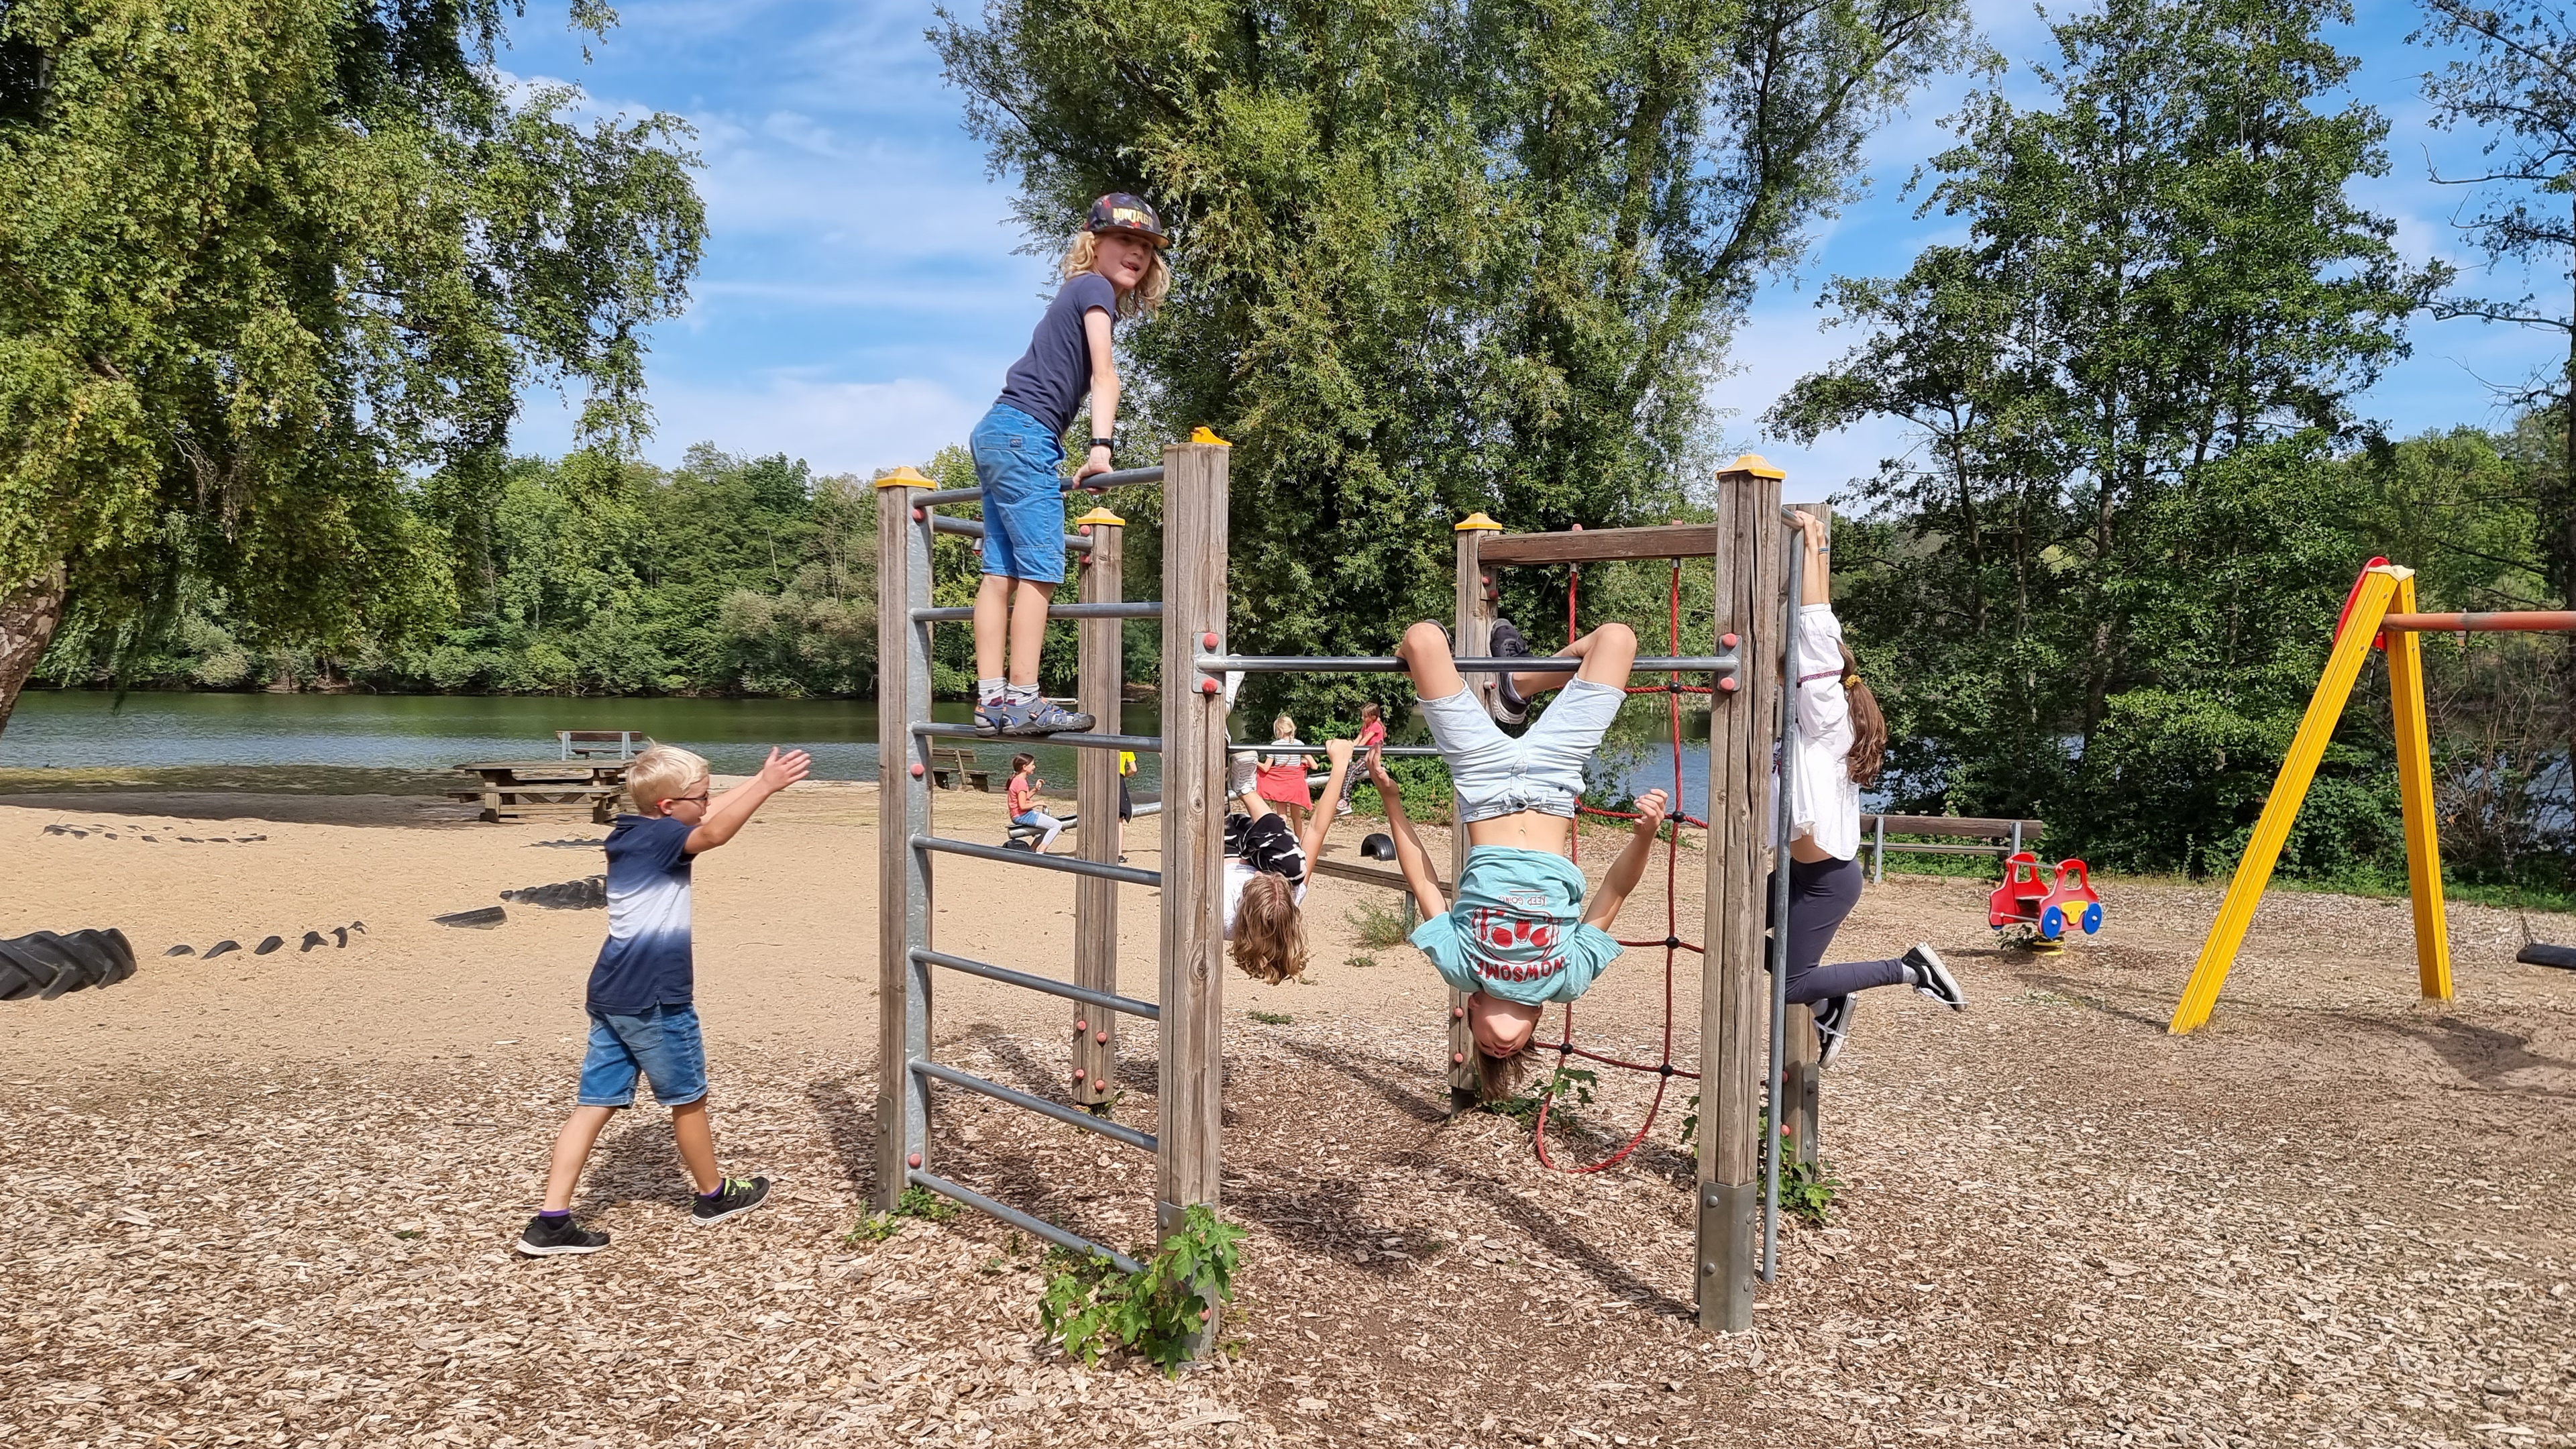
646	961
1050	383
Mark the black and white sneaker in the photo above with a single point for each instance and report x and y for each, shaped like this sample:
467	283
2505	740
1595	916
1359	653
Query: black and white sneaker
740	1195
1507	643
1933	979
547	1237
1833	1023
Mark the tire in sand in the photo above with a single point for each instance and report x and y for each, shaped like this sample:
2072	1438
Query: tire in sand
47	965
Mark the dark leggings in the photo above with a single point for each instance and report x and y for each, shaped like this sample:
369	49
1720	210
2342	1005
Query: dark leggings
1820	895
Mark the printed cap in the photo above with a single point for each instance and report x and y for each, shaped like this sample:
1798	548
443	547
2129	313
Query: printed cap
1118	211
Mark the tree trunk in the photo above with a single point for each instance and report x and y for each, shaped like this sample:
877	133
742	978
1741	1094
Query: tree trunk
29	615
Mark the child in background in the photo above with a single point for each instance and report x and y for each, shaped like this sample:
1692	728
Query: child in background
643	1016
1126	801
1521	933
1114	269
1265	872
1372	735
1283	772
1022	798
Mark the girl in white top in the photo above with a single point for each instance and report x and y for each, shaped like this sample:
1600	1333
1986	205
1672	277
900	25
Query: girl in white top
1842	740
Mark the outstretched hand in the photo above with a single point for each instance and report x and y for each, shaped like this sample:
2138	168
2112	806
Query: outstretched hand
1378	776
1338	751
1651	807
780	771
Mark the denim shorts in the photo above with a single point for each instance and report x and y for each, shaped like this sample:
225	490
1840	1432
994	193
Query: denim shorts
662	1044
1016	463
1495	774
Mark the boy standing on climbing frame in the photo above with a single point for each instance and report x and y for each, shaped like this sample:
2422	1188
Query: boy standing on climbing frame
1114	269
642	997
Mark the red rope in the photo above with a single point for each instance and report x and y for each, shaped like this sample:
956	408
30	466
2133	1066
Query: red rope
1673	944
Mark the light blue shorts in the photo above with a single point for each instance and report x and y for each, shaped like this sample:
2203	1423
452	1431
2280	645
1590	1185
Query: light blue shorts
1016	464
1495	774
661	1044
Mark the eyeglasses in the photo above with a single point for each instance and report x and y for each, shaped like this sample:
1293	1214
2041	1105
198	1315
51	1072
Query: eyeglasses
699	798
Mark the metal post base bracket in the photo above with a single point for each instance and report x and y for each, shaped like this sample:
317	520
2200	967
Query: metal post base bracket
1729	1255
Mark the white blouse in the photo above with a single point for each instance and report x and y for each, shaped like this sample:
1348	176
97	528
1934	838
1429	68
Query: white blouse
1828	798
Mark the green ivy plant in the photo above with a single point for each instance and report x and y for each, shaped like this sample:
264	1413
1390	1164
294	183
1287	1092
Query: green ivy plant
1091	1308
1575	1083
916	1202
1808	1190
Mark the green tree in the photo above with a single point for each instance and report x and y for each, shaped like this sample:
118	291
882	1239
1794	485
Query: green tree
262	262
2147	340
1433	259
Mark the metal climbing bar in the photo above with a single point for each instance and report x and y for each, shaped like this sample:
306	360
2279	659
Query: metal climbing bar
1534	664
1036	1227
965	613
1138	744
1070	865
942	523
1072	1116
1123	478
1105	1000
1392	752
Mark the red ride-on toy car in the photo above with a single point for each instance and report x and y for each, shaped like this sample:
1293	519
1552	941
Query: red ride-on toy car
2027	899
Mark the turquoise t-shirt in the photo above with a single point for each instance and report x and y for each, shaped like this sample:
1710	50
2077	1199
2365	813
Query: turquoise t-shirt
1516	929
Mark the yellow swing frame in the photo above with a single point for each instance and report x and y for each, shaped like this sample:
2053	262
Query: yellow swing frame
2385	590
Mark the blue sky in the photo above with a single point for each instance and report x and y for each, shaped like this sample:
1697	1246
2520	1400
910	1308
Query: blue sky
863	289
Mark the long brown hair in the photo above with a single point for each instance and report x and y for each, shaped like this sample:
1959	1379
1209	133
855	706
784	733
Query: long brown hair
1498	1079
1269	930
1869	727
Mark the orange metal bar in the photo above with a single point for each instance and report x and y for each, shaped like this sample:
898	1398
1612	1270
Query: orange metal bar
2516	621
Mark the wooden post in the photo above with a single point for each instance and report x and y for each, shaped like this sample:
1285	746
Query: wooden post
1472	636
1095	902
903	811
2415	796
1735	1018
1193	1035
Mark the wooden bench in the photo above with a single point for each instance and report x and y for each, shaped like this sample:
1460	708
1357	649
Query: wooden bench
596	783
954	769
2010	837
624	744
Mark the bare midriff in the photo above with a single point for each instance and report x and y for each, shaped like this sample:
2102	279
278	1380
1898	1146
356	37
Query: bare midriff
1524	830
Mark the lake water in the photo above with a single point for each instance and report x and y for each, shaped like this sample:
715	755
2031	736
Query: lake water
77	729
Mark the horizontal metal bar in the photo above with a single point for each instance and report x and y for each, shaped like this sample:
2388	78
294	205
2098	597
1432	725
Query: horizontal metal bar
1924	848
1392	752
1140	744
1123	478
1018	1219
1536	664
1049	985
2510	621
1139	609
1070	865
942	523
1070	1116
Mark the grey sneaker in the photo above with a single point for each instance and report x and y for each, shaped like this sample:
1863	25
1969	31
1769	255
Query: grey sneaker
1507	643
739	1195
1833	1026
1933	978
1045	717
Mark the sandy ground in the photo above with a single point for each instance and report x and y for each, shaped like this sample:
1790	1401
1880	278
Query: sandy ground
268	1198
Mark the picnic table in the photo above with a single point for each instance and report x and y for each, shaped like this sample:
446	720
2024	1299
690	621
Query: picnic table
596	783
625	743
954	769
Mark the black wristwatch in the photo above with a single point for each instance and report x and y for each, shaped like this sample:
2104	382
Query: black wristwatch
1110	443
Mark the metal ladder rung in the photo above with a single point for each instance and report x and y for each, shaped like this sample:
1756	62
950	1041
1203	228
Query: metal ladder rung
942	523
1018	1219
1073	1116
1138	744
1052	987
1070	865
965	613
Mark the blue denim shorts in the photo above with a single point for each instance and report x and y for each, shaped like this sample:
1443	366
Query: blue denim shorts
662	1044
1016	463
1495	774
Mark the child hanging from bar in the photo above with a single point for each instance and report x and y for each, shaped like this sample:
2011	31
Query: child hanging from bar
1521	933
1265	868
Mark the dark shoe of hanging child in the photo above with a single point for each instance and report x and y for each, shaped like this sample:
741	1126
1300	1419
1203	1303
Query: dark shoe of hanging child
1507	643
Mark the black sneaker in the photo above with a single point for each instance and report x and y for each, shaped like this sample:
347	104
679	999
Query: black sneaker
740	1195
1833	1024
547	1237
1507	643
1933	979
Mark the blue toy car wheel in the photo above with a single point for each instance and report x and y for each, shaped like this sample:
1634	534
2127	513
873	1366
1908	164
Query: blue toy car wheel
2052	924
2092	918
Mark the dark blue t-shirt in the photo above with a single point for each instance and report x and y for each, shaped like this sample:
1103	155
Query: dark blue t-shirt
646	962
1050	383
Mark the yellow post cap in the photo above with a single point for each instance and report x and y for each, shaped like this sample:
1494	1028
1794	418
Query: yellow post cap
1102	515
1754	464
1208	435
905	477
1476	520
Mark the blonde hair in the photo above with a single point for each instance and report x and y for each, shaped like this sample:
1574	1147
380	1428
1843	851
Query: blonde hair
663	772
1140	301
1269	930
1498	1079
1283	728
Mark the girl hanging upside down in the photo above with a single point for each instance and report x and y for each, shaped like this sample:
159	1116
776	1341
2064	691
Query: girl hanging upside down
1265	869
1520	934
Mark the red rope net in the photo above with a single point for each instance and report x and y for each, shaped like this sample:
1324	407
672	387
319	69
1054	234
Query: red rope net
1663	1069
